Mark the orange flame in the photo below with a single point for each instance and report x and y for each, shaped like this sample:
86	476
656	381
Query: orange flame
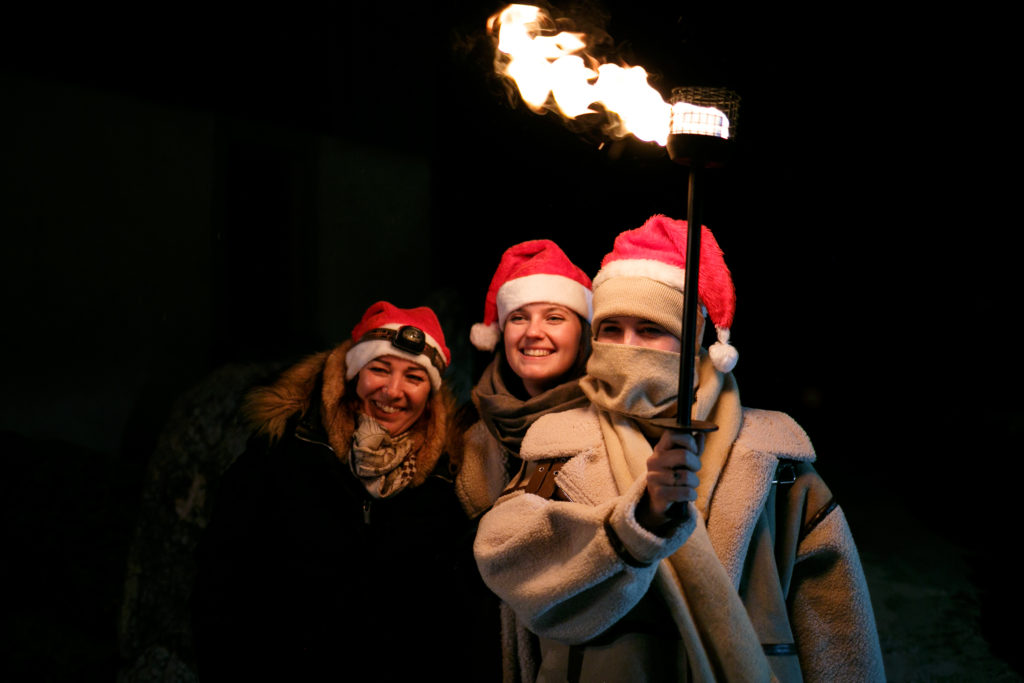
550	74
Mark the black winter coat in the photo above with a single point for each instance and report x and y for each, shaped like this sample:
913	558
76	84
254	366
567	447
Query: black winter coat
303	576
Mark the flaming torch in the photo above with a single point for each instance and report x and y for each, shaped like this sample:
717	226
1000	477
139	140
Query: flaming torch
553	72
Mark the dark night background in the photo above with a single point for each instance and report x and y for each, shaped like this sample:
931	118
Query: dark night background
188	188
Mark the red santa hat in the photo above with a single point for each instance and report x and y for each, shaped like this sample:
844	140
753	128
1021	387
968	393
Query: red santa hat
411	333
531	272
657	251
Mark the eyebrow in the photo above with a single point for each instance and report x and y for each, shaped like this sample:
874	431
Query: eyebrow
546	309
414	368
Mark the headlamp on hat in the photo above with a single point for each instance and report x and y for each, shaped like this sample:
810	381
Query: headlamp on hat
410	339
410	333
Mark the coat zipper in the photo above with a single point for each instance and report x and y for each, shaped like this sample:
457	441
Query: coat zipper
367	503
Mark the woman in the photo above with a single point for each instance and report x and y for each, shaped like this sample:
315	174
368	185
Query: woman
538	306
338	547
634	568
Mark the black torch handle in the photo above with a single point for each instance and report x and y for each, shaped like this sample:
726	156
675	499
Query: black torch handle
687	353
690	301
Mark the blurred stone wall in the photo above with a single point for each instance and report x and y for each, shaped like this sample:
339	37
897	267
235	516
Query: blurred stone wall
202	437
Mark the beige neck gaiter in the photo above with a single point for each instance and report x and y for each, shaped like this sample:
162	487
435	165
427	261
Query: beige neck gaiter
634	381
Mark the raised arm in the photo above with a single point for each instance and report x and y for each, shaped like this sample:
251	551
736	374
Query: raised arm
570	570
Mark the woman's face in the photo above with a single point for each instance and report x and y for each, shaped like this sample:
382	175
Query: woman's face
394	392
633	331
541	344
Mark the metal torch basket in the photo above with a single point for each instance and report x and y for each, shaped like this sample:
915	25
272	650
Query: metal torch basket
703	138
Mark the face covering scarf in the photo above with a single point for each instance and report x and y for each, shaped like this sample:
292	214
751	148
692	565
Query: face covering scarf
635	381
384	464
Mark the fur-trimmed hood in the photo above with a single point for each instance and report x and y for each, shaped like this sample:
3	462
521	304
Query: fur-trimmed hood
311	398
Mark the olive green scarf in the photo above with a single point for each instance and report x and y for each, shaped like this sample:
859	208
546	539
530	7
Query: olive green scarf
507	415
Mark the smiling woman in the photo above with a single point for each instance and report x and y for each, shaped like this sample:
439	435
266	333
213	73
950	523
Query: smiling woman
539	307
338	540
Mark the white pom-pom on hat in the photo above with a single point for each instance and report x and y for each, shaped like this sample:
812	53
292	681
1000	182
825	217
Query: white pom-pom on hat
485	337
723	354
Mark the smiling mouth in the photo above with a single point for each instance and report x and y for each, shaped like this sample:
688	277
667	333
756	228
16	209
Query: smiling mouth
536	352
386	409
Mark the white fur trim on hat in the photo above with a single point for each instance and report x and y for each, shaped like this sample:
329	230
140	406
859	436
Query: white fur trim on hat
362	353
668	274
542	287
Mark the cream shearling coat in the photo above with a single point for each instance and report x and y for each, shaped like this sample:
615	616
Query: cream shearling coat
789	552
